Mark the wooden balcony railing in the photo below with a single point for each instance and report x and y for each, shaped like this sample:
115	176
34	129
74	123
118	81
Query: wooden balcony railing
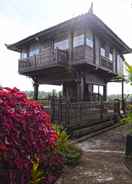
82	55
45	59
106	63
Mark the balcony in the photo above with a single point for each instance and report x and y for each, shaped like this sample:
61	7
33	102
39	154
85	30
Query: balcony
82	55
46	59
106	63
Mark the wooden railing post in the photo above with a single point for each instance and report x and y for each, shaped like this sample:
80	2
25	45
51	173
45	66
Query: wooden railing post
60	109
67	122
101	109
52	107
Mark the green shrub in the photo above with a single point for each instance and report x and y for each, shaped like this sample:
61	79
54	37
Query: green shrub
63	138
72	155
70	152
37	174
128	120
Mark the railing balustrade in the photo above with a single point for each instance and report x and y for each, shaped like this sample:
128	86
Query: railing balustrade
45	59
106	63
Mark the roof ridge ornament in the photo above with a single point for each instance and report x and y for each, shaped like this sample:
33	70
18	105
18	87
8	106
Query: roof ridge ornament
91	8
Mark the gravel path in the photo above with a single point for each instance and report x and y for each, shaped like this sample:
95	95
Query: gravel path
102	160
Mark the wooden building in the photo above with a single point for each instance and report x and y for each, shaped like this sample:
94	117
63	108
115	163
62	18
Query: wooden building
82	54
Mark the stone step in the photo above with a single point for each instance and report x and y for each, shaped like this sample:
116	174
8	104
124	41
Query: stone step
90	129
97	132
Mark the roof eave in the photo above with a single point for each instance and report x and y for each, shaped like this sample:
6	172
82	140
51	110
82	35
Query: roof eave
18	45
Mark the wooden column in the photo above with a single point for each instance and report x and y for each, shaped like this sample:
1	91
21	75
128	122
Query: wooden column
90	92
78	81
114	61
105	92
70	40
82	85
122	96
36	88
98	93
64	91
94	49
78	91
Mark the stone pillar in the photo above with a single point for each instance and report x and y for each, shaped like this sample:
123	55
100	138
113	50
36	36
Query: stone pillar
36	89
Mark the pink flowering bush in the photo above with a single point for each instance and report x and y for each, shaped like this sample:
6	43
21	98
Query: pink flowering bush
26	133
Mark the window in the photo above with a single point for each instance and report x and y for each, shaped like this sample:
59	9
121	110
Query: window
89	39
33	51
61	45
111	55
98	89
119	64
95	88
103	49
102	52
24	54
78	40
101	90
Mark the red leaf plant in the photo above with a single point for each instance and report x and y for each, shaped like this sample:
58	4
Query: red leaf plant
25	130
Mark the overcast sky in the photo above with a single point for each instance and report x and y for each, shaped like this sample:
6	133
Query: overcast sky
21	18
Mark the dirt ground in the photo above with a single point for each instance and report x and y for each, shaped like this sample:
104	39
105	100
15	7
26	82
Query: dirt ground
103	161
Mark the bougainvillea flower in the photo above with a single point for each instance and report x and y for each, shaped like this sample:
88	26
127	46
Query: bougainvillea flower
25	128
